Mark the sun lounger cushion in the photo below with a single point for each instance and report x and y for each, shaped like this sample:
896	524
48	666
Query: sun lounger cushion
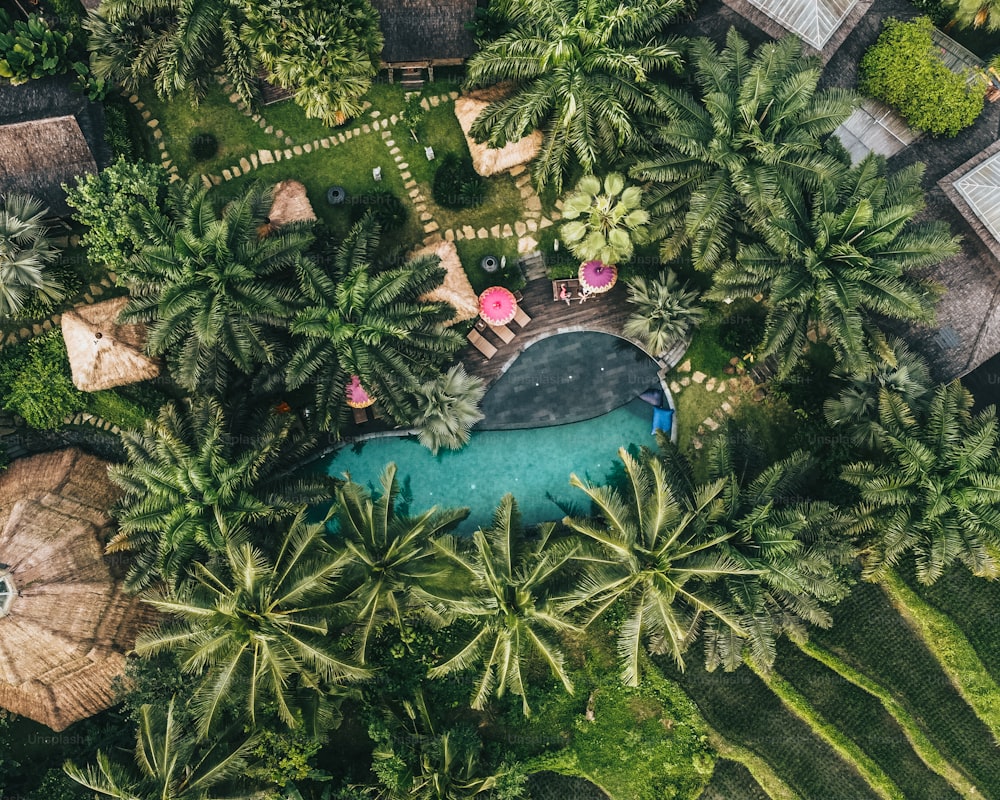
663	420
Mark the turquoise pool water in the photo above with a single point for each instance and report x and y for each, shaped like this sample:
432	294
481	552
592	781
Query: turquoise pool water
534	465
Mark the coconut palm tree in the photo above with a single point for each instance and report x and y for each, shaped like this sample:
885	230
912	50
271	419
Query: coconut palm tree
934	490
899	371
604	225
504	580
754	120
585	73
253	630
658	549
384	556
837	257
666	311
170	764
363	320
193	484
797	549
976	14
178	44
447	408
25	252
213	291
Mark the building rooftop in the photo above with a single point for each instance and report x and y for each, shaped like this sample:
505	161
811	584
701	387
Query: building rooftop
425	30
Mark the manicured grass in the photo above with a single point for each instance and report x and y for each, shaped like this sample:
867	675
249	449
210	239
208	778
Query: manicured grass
706	353
237	134
694	404
731	780
861	717
439	129
471	252
291	120
745	712
503	204
871	637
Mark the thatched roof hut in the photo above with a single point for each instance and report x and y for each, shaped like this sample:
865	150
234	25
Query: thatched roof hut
65	622
425	30
102	352
456	288
488	160
291	204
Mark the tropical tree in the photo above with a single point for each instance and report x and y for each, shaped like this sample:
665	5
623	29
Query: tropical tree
977	14
505	579
384	556
658	549
837	257
327	55
797	549
170	764
447	408
254	629
666	311
754	120
935	489
604	225
363	320
899	371
213	292
583	72
193	483
25	252
178	44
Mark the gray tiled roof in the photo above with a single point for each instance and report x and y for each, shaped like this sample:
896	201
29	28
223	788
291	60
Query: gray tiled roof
424	30
814	21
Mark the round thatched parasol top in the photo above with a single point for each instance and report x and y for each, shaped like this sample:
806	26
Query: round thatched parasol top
490	160
102	352
290	204
67	623
456	288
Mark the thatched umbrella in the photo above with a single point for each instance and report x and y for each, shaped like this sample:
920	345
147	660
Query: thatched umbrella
291	204
456	288
65	622
488	160
102	352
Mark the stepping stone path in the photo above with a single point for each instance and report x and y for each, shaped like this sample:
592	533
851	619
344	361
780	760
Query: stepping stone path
734	388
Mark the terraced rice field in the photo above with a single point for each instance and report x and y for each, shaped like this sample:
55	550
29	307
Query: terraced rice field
732	780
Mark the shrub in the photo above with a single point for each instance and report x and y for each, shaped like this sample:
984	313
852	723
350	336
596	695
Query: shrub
388	210
31	49
203	146
457	184
741	330
38	305
903	70
117	132
36	382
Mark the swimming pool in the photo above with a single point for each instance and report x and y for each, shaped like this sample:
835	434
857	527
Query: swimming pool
534	465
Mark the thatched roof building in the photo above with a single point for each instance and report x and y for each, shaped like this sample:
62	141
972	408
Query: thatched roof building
456	288
291	204
102	352
49	134
488	160
425	32
65	622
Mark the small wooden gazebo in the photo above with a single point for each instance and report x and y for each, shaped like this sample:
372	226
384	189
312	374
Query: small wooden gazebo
65	623
104	353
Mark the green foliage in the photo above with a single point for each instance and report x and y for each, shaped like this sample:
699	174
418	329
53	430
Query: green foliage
117	132
388	210
457	184
36	382
903	69
31	49
666	311
976	14
281	756
447	408
110	405
605	222
27	281
203	145
413	113
106	203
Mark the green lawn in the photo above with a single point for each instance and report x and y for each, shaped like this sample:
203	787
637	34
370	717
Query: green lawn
471	252
503	204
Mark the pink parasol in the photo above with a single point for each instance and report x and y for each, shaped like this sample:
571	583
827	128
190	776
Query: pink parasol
357	397
497	305
597	277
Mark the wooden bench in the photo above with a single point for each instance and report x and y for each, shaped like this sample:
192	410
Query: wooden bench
572	288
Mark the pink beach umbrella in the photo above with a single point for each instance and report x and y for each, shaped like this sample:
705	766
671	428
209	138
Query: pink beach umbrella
597	277
497	305
357	397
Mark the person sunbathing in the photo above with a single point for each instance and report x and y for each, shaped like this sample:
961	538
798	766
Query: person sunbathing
564	294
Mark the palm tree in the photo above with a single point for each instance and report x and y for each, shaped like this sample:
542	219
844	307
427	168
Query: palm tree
583	72
370	322
447	408
899	371
976	14
666	311
839	256
192	484
604	226
754	120
213	291
505	580
384	556
176	43
254	630
797	549
935	490
170	764
25	252
657	549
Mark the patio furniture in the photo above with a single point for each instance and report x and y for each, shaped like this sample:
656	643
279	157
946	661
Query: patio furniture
360	416
336	195
504	333
572	288
521	318
489	264
482	345
377	173
429	152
